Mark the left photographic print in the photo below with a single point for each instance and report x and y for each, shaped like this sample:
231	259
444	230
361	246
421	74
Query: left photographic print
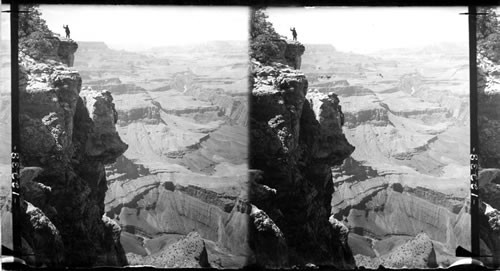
133	135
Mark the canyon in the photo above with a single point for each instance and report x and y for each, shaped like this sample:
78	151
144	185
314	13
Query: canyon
406	111
331	159
183	181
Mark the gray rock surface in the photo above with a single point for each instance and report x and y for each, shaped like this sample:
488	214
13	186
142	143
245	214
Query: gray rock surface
67	137
189	252
295	137
415	253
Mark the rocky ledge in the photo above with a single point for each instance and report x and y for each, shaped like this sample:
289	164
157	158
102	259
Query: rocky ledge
295	137
67	136
61	50
289	53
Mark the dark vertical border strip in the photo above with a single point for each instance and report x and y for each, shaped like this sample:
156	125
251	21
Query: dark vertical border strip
16	204
474	210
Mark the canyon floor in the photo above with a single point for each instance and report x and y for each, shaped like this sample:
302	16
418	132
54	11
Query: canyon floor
407	113
183	113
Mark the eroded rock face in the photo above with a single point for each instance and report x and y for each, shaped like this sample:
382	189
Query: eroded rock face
66	51
489	186
268	238
415	253
489	225
177	204
40	237
290	53
63	50
329	116
295	137
488	83
104	143
189	252
66	138
489	214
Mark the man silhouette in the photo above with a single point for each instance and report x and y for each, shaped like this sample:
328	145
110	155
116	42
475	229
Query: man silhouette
294	33
66	29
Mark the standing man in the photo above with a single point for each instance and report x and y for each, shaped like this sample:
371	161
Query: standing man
294	33
66	29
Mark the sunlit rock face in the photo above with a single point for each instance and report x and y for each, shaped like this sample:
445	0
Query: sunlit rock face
295	137
67	136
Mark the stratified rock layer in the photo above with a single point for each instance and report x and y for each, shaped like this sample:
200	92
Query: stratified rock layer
66	138
295	137
166	205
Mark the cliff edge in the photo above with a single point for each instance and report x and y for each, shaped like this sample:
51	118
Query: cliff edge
290	53
67	136
295	138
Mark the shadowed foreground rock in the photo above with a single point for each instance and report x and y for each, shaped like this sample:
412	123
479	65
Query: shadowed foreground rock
66	138
295	137
489	215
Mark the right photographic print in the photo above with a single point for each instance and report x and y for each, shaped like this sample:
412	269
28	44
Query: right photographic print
360	134
488	122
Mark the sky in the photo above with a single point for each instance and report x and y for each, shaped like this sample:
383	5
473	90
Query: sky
355	29
4	23
365	30
142	27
